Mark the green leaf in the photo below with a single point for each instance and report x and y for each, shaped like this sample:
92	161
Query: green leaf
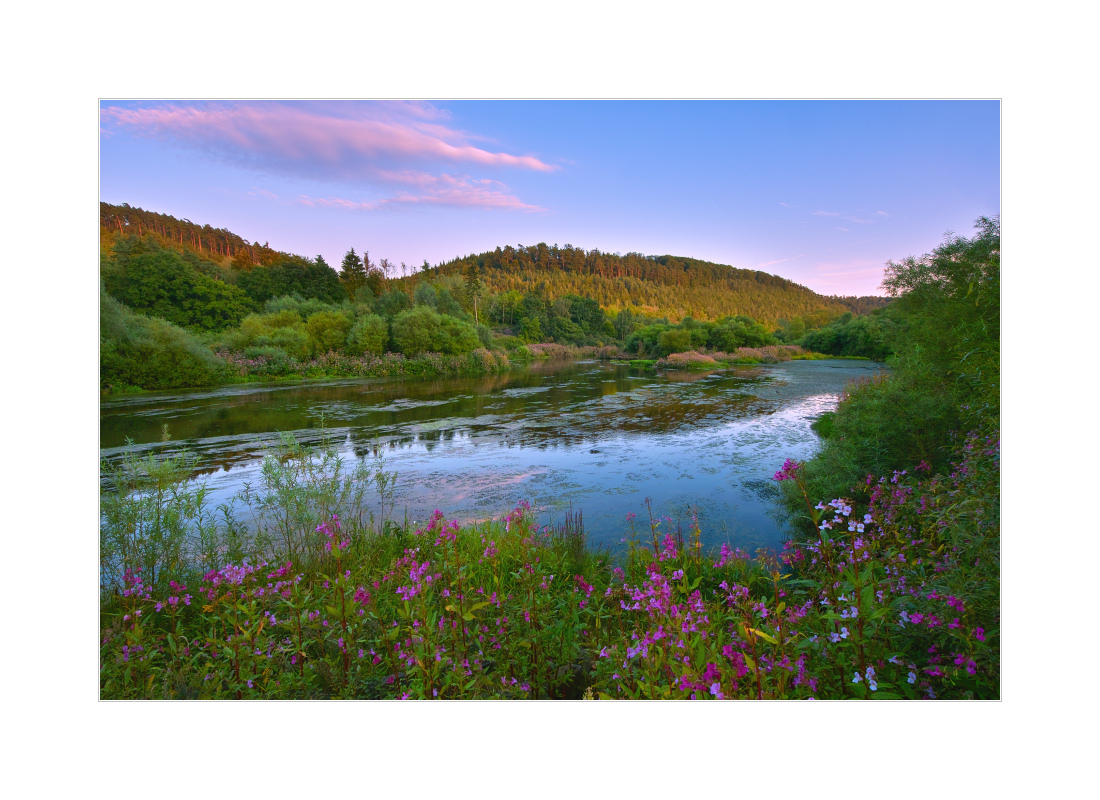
763	635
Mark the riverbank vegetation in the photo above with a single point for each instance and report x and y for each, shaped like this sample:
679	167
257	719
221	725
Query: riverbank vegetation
323	594
230	310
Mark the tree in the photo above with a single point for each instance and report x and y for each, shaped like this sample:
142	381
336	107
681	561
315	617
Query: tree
950	301
375	279
473	288
426	295
624	323
353	272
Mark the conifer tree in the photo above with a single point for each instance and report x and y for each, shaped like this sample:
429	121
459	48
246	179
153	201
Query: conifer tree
352	272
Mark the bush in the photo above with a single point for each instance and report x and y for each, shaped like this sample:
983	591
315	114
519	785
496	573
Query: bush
421	330
327	331
674	341
457	337
369	334
416	331
150	353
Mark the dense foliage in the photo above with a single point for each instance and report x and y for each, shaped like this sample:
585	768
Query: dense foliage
151	353
945	332
872	336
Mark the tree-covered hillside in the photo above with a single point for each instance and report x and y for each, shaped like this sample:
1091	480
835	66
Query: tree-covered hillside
671	286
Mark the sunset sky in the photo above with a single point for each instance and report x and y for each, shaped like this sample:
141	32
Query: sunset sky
821	192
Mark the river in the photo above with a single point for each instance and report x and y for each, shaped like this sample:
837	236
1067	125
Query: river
593	436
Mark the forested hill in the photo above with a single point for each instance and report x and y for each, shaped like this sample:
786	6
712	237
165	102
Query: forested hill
183	234
672	286
675	287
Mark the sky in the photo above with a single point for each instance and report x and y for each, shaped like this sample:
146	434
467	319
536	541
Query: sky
821	192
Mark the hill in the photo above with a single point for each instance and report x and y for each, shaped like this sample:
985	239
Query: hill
669	286
673	287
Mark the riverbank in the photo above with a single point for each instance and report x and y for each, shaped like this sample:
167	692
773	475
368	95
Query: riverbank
239	369
337	602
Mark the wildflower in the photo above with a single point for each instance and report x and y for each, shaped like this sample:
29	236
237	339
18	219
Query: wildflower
979	634
790	467
912	677
857	678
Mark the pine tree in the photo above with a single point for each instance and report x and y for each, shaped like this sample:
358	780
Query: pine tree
352	272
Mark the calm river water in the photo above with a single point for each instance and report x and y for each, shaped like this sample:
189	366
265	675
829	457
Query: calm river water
599	436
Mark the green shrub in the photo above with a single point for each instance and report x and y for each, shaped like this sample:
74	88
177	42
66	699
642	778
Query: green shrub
328	330
416	331
369	334
150	353
674	341
456	336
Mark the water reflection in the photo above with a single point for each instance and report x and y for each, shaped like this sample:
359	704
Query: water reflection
601	436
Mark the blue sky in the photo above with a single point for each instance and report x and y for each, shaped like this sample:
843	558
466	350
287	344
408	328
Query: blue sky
821	192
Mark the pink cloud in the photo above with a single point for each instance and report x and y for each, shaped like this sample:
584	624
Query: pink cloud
326	140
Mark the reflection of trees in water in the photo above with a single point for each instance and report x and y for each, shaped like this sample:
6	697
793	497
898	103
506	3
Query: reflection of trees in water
573	403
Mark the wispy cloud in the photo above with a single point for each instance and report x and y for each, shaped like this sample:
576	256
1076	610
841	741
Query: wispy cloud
432	190
382	144
778	261
847	217
857	277
882	213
